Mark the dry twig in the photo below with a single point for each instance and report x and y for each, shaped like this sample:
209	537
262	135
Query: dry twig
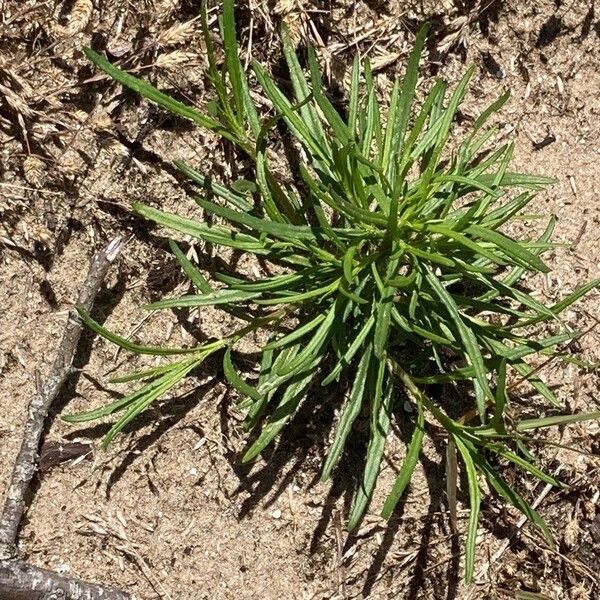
19	580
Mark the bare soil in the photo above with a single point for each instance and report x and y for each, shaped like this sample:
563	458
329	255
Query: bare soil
168	512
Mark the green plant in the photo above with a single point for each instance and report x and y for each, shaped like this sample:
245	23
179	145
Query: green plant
393	272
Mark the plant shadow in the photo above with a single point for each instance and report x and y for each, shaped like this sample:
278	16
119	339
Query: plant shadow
161	419
108	299
105	303
435	473
303	438
266	485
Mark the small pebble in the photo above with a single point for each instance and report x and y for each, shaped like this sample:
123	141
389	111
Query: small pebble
276	514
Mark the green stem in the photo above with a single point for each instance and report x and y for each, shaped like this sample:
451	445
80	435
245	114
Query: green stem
419	397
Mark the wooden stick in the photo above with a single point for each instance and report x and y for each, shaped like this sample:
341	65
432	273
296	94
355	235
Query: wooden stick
20	581
17	579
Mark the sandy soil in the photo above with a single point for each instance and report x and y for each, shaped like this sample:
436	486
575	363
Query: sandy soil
168	512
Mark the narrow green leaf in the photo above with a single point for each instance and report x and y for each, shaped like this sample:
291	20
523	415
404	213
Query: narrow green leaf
353	348
408	466
503	214
283	105
445	122
557	420
215	234
145	374
148	395
527	466
293	395
407	92
390	126
297	298
490	110
348	263
286	282
281	230
559	307
126	344
236	381
194	275
529	375
316	343
466	334
512	497
382	325
225	296
501	399
301	89
354	92
351	411
474	506
118	405
381	407
331	115
234	67
466	242
296	334
212	186
511	248
532	182
151	93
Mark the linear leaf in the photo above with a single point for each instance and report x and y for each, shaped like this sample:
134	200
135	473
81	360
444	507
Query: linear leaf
474	506
215	234
194	275
236	381
408	466
288	405
530	424
224	296
126	344
295	335
353	348
148	395
468	337
281	230
381	407
121	403
351	411
234	67
148	91
212	186
511	248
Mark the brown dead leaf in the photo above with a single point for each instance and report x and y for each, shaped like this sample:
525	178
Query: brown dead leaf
177	34
80	16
